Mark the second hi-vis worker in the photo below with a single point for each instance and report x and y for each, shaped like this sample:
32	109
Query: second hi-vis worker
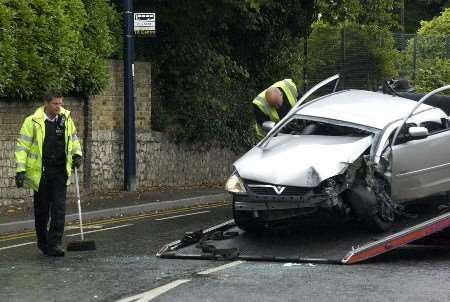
274	103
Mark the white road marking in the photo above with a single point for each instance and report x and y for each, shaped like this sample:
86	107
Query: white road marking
289	264
16	245
105	229
177	216
152	294
131	299
75	227
219	268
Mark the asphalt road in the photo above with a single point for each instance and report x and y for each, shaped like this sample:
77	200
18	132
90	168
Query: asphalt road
124	268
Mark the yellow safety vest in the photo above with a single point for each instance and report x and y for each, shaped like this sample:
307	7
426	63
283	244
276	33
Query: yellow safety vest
28	153
289	89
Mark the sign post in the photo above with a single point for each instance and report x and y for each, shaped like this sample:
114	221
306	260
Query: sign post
129	145
143	24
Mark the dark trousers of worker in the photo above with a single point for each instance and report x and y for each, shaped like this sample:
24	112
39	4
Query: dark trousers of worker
50	205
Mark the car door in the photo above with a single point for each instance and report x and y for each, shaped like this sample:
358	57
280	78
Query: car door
422	167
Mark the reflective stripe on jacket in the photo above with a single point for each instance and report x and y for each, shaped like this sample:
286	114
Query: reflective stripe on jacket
28	153
291	92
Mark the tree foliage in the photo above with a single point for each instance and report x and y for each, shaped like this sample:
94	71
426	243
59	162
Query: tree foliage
379	13
418	10
8	50
363	55
58	44
432	74
210	58
438	26
432	51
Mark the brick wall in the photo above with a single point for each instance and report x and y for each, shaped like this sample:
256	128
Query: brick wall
99	121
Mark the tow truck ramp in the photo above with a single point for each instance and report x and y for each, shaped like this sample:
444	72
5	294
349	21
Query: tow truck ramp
338	244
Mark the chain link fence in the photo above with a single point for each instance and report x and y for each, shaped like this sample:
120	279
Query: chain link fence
365	59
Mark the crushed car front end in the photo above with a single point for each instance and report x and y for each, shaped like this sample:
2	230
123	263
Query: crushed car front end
294	177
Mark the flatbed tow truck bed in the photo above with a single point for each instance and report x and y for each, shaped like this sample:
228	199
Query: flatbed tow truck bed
339	243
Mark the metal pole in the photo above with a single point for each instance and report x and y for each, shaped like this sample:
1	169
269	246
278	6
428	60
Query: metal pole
129	118
414	57
402	16
305	65
342	72
447	47
305	84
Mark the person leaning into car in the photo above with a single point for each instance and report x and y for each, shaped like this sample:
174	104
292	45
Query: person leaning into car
47	150
274	103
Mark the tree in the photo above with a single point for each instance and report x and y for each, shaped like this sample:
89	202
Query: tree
210	58
379	13
418	10
8	49
432	49
55	44
363	55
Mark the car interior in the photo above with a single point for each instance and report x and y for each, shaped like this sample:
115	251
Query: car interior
309	127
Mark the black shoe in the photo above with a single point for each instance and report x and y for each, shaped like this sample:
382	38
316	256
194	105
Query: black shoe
43	248
55	251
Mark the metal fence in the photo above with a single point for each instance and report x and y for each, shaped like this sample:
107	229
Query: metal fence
417	47
365	60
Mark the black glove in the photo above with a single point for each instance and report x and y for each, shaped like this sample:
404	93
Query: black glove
76	161
20	176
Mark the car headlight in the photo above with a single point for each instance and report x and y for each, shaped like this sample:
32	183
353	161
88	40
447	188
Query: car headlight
235	185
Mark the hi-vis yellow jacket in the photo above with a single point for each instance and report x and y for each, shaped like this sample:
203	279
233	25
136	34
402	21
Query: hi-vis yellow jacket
28	152
291	92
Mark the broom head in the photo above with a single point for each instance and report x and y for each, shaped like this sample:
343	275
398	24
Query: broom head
82	245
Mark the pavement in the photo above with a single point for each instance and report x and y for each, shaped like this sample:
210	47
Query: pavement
116	204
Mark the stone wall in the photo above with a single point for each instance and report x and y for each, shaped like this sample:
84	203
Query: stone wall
99	121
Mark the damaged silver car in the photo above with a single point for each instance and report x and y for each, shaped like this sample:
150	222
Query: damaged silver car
352	153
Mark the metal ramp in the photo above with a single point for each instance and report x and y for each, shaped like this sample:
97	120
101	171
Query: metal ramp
344	243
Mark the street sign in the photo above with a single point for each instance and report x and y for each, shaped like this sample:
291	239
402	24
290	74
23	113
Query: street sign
145	24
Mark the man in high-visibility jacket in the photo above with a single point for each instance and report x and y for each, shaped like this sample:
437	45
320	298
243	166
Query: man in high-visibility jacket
47	150
273	103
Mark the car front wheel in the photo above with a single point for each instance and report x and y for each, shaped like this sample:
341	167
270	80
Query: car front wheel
377	215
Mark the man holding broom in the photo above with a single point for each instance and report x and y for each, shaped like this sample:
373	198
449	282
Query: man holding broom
47	150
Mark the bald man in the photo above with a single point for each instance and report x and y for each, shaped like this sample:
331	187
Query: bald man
273	103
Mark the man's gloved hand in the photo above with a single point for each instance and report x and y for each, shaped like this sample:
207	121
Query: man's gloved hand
76	161
20	176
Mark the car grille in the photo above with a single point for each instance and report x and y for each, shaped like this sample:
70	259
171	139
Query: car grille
268	189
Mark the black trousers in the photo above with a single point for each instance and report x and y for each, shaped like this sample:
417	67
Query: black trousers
50	205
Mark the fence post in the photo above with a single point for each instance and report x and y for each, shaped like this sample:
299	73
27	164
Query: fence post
414	57
447	47
342	71
305	85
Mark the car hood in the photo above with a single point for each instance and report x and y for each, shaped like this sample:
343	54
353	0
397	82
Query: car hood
301	160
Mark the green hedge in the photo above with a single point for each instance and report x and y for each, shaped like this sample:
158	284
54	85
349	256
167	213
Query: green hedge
59	44
432	74
210	58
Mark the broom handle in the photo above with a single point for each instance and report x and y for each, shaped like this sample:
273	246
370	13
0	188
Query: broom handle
79	204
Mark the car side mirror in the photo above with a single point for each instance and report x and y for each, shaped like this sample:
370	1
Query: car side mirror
268	125
418	132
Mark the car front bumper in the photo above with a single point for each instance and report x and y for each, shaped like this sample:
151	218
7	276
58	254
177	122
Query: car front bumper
244	202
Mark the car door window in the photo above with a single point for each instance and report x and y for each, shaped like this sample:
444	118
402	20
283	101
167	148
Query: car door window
435	126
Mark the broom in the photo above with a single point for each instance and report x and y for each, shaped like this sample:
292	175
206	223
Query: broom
80	245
